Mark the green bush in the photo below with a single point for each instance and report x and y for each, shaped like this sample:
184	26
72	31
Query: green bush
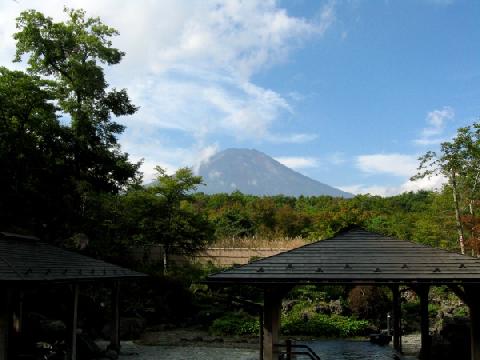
238	323
461	311
324	325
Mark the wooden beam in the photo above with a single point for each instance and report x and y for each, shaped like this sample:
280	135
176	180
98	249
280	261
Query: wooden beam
115	336
397	317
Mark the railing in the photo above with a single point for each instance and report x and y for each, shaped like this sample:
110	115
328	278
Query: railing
290	351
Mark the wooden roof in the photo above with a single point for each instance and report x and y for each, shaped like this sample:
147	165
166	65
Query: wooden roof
356	256
24	258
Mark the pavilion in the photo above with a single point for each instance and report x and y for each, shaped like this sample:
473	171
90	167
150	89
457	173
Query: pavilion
358	257
26	263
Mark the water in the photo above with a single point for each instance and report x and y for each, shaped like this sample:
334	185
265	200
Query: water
354	350
326	349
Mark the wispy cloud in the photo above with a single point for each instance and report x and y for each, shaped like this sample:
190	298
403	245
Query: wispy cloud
190	66
404	165
298	162
391	164
436	121
433	183
290	138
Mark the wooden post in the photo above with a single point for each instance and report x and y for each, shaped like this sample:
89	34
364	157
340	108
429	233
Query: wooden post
271	327
5	302
260	315
422	292
73	347
472	298
397	317
115	336
289	349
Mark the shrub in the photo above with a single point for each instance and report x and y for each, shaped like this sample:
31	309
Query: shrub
302	319
238	323
324	325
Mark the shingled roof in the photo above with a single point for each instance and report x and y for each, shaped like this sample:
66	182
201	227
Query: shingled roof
25	258
357	256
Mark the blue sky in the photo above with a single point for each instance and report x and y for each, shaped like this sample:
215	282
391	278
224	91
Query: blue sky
347	92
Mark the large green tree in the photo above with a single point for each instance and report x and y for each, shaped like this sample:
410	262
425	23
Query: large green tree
160	214
72	54
34	150
58	129
459	162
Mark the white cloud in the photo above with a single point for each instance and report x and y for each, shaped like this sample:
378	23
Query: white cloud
189	64
369	189
433	183
297	162
203	155
436	121
159	151
392	164
404	165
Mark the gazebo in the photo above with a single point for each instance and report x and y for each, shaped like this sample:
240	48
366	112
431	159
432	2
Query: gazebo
26	262
359	257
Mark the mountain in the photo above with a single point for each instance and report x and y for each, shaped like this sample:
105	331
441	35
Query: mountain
253	172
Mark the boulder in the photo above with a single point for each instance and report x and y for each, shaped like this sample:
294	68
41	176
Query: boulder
452	341
130	328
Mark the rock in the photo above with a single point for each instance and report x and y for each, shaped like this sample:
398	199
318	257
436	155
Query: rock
336	307
87	348
130	328
452	341
323	308
42	328
111	354
288	305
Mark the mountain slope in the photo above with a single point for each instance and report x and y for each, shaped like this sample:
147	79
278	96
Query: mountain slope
253	172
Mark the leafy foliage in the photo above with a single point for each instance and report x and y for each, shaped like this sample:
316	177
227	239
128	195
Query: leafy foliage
324	325
237	323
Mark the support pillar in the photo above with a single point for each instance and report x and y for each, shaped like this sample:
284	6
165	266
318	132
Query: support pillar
261	335
422	291
74	319
271	327
115	336
5	299
472	298
397	318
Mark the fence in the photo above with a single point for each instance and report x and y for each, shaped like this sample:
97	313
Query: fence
218	256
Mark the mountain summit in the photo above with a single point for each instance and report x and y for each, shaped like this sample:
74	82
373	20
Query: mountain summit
253	172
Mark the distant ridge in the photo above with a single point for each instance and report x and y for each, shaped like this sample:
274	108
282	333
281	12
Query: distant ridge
255	173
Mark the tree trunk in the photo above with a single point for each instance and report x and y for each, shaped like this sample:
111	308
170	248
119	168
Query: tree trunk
461	241
471	201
